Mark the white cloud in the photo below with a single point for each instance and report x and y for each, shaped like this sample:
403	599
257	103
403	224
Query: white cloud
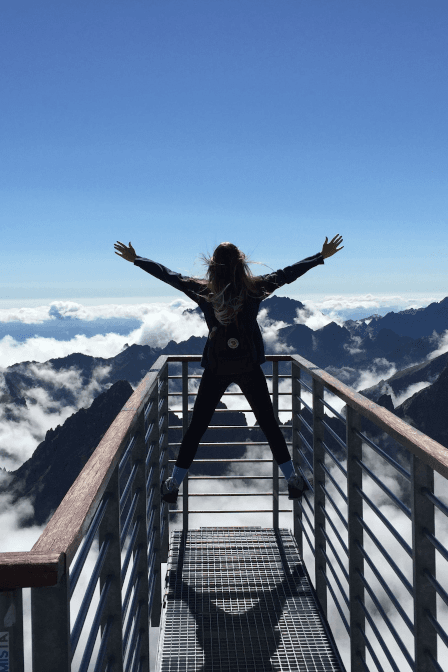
441	342
19	439
160	324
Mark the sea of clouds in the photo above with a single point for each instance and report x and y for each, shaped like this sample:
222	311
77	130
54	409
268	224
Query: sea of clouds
60	328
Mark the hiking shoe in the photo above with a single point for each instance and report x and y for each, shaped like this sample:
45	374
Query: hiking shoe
297	486
169	490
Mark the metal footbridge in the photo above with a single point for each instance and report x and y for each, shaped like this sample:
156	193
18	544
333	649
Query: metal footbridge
353	576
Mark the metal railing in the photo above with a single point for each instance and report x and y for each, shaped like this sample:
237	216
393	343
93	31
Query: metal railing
116	501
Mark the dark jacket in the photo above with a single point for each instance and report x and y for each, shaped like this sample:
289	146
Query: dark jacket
251	306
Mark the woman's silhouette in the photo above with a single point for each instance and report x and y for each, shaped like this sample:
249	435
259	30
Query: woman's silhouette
231	294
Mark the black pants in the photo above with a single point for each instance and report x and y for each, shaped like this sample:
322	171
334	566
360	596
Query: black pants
254	387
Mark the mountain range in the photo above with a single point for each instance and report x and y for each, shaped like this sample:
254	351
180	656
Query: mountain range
404	339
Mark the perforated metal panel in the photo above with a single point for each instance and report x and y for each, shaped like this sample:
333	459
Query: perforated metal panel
238	598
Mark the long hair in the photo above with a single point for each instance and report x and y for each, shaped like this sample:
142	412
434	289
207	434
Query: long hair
229	281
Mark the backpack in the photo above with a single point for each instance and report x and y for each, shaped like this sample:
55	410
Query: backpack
229	349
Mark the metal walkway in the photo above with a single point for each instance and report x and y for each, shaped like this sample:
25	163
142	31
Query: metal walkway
239	598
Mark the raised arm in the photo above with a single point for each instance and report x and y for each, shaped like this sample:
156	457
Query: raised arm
127	253
329	248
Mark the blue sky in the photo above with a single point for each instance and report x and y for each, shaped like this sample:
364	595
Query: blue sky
180	124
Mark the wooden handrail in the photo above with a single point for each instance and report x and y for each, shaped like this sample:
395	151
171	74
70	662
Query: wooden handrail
32	570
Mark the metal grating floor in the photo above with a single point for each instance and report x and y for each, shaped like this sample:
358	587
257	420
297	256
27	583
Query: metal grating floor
239	598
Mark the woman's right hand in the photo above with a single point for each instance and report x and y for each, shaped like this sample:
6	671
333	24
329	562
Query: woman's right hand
329	248
127	253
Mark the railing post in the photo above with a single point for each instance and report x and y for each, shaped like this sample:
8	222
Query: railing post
110	526
319	495
184	430
355	534
163	446
296	426
424	558
11	630
141	543
152	422
50	627
275	495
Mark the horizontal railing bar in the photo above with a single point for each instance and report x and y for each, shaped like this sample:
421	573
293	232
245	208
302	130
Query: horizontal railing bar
304	457
385	522
230	410
149	406
103	646
336	578
394	566
333	527
440	591
151	530
437	627
336	485
194	375
127	490
95	626
406	510
214	478
227	394
336	601
130	584
132	651
129	517
434	661
304	422
335	459
379	638
299	520
229	511
150	507
333	410
247	427
136	640
436	543
221	459
371	651
124	460
299	502
75	573
302	401
131	613
386	588
334	505
404	472
233	494
305	385
85	604
310	485
435	500
334	435
124	567
229	443
309	447
336	555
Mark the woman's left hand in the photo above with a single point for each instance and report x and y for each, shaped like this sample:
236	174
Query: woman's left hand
127	253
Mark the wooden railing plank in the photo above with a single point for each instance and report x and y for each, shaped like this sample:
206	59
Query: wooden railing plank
29	570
